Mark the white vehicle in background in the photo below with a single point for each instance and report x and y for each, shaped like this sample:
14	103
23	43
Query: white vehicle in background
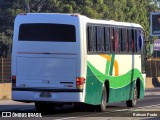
69	58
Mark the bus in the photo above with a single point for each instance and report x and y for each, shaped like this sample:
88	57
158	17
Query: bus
62	59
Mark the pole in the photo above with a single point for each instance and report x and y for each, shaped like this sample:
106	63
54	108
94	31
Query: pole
155	66
2	71
151	67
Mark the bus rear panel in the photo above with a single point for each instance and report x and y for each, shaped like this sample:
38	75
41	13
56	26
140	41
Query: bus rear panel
46	58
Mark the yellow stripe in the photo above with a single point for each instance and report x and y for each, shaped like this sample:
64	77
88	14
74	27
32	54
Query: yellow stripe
115	62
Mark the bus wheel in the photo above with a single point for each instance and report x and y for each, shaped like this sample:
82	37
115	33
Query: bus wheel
132	103
102	106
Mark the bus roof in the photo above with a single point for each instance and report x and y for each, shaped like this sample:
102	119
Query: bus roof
89	20
112	22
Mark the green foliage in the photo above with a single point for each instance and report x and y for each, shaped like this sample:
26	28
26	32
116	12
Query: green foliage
136	11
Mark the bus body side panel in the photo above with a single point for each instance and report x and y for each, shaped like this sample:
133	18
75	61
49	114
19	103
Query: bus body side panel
121	71
93	87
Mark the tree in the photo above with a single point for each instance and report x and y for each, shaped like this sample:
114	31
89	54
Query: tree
137	11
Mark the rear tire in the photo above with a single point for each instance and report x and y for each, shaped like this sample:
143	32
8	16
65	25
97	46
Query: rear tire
132	103
102	106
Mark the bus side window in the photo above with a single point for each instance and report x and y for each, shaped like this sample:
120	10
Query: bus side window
99	39
120	40
139	41
112	39
135	41
91	39
127	40
89	42
124	39
130	39
116	44
103	39
107	39
94	40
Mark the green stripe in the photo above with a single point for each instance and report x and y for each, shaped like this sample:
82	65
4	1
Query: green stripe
118	81
107	68
112	63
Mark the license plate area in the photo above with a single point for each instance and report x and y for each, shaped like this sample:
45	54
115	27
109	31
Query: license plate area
45	95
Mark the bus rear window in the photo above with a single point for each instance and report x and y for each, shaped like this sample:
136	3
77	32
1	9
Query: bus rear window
47	32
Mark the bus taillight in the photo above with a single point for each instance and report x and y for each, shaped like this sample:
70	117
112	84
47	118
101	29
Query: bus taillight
80	82
13	81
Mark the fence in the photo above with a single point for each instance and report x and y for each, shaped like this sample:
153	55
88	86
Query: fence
5	70
153	67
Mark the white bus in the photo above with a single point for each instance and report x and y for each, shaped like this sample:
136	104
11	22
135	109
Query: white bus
69	58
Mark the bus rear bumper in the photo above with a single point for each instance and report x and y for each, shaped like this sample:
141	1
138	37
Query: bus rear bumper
33	96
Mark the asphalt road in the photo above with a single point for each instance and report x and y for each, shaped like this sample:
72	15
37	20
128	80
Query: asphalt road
148	107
